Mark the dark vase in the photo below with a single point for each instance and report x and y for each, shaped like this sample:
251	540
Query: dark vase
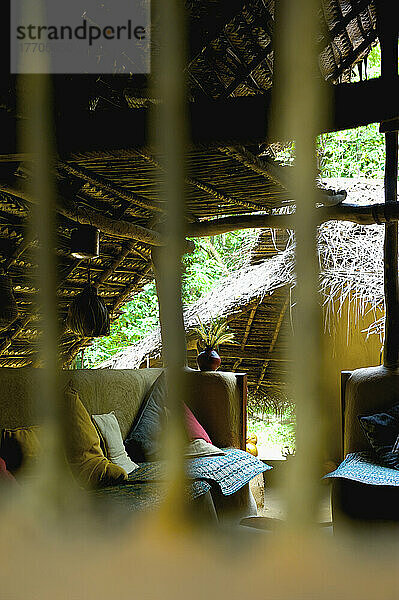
208	360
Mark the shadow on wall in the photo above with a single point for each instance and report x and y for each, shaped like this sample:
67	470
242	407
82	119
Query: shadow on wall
345	347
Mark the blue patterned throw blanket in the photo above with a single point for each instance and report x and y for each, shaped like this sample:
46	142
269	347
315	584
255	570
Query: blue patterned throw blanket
230	472
363	467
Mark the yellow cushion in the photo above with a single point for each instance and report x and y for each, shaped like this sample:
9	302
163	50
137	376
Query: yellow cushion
20	447
87	460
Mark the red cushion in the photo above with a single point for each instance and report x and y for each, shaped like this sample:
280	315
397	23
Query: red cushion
194	429
4	474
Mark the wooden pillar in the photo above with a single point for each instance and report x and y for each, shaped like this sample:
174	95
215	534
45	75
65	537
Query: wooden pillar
388	36
159	285
391	283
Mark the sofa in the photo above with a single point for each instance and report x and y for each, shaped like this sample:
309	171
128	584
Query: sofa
216	398
364	493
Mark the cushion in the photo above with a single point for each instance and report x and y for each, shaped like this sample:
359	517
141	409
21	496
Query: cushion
382	430
87	460
20	447
143	442
109	428
5	475
194	429
200	447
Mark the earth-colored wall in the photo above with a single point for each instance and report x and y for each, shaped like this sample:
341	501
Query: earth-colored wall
345	347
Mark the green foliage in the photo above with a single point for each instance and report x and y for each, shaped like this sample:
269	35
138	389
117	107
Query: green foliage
356	152
352	153
273	436
212	259
213	334
139	317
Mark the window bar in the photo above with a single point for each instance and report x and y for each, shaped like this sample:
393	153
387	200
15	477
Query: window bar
36	140
298	100
169	133
388	37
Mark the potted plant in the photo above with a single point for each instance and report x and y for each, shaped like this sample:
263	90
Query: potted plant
210	336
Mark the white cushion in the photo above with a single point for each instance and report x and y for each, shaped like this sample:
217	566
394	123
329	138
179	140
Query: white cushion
199	447
109	428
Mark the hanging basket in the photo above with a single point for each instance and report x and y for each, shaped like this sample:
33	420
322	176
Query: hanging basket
87	315
8	304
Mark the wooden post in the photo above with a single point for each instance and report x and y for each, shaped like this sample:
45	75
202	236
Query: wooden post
391	283
344	379
159	282
243	390
388	35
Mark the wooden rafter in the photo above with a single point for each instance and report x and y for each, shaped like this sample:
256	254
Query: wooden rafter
246	333
109	187
19	250
273	342
23	322
269	169
274	172
206	187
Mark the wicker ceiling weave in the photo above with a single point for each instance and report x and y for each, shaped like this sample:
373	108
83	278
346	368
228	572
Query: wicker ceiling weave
239	60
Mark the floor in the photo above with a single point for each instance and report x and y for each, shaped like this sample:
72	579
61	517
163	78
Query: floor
271	503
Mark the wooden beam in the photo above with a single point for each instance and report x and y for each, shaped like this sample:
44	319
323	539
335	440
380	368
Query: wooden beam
273	342
235	120
387	26
127	248
269	170
121	229
370	214
246	333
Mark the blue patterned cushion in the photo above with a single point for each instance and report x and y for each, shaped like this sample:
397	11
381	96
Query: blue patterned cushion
382	430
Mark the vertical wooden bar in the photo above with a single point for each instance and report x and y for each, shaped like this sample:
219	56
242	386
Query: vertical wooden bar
51	488
169	133
387	14
299	107
344	379
242	384
391	280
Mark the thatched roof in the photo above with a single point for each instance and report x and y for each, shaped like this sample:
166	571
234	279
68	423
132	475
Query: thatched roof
257	300
234	54
119	179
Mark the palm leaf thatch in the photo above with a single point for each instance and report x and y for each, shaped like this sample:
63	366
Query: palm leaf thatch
258	301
